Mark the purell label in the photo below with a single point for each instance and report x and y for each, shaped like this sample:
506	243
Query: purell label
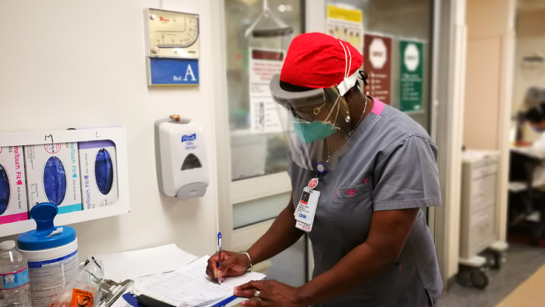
189	138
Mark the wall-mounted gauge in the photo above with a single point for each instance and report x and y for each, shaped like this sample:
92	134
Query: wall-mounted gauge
172	34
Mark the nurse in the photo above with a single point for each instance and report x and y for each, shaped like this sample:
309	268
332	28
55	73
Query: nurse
367	169
535	104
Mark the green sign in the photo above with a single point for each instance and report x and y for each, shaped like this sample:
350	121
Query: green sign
411	79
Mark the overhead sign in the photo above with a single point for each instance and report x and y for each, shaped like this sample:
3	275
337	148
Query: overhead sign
411	79
346	24
378	65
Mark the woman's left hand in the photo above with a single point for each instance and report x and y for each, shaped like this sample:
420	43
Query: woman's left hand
271	293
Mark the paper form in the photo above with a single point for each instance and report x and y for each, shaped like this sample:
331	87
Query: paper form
135	264
190	286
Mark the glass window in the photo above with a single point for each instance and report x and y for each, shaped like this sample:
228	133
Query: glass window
256	148
401	20
259	210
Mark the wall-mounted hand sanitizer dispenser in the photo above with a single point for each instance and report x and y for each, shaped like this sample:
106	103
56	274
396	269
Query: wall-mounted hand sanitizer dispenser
182	167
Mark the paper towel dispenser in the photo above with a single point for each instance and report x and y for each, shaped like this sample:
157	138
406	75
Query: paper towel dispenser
180	152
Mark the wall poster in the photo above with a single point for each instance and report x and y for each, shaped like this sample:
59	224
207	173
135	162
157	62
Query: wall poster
346	24
264	64
378	65
411	78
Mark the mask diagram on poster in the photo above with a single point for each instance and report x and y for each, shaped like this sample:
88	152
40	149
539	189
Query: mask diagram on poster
265	116
378	65
346	24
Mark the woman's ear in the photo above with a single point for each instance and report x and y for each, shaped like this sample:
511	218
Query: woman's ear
348	96
352	94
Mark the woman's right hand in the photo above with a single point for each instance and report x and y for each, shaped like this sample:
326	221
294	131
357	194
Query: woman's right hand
232	264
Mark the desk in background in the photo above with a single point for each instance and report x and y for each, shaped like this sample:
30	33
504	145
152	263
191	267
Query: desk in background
526	202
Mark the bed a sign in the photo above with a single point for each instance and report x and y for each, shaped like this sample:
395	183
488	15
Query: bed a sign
172	72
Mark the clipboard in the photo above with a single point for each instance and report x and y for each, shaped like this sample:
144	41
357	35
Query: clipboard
146	301
225	301
151	302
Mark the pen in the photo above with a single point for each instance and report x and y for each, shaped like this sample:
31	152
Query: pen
219	254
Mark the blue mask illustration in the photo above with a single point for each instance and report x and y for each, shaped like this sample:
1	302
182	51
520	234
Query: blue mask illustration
104	171
4	190
54	181
313	131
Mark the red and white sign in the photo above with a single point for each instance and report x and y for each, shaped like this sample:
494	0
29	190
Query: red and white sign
378	65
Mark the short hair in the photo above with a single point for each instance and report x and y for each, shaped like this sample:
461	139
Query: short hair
536	114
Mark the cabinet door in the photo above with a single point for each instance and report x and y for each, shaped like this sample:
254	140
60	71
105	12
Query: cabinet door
482	229
483	192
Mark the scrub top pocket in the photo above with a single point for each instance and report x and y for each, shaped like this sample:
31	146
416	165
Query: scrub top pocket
353	193
351	212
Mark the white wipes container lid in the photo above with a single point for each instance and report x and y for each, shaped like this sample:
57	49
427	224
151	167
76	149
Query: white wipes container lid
7	245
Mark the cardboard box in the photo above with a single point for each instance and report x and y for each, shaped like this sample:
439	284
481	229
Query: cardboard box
13	195
98	191
45	165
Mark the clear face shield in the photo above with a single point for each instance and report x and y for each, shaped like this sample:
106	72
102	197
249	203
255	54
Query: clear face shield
316	123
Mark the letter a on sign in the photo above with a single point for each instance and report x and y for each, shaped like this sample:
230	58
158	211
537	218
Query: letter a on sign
188	72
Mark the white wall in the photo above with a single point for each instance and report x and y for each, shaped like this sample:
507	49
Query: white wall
483	79
82	63
489	84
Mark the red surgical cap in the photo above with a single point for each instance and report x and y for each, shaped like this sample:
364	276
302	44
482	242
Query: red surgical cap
318	60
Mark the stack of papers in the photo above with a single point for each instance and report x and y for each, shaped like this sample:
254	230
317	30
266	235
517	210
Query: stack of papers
191	287
135	264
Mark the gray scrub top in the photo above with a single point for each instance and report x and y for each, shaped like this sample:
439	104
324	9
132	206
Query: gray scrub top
391	165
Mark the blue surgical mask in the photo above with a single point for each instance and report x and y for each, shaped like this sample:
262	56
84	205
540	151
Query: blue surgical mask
538	130
313	131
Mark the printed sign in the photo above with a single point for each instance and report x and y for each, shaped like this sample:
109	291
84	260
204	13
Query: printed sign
378	65
164	72
264	64
411	79
346	24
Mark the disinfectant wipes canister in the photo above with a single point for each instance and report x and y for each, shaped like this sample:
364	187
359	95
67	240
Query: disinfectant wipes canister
52	254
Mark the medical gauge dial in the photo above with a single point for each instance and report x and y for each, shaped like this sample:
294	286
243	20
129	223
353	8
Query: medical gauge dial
172	34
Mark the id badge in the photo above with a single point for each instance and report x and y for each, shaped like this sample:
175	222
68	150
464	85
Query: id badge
306	209
303	226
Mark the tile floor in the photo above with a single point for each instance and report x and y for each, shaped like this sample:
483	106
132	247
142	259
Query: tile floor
522	262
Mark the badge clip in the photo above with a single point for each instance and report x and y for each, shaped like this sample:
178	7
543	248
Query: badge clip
321	167
313	183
